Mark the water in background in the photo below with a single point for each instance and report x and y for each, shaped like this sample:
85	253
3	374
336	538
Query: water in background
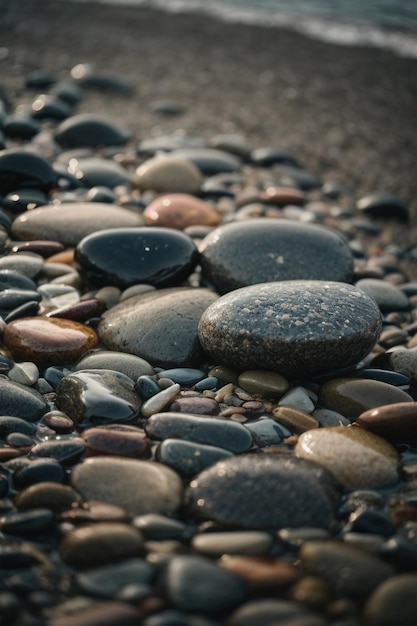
390	24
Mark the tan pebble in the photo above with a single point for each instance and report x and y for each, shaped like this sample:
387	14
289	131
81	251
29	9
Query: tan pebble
223	392
392	421
295	420
260	573
357	458
413	342
235	542
179	210
263	382
351	396
393	337
168	174
66	257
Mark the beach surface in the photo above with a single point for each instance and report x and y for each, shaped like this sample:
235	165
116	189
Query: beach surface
348	114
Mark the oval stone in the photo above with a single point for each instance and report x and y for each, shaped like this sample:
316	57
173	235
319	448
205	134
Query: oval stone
69	222
168	174
97	397
351	396
392	421
47	341
260	492
161	326
266	250
22	168
128	364
88	130
179	210
297	328
357	458
18	400
138	486
123	257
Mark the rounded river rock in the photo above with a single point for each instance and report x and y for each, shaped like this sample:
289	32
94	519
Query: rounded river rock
297	328
261	492
263	250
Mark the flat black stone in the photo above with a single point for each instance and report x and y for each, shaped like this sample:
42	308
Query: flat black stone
210	161
21	168
21	127
267	157
123	257
265	250
90	131
94	171
384	205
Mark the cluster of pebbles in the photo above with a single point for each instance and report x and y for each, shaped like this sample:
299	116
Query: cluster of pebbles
208	381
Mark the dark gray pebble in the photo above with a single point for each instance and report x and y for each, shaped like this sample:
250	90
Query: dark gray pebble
65	451
261	492
21	168
188	458
196	584
98	397
266	250
109	581
388	297
185	376
20	401
209	160
88	130
198	429
37	471
27	523
383	205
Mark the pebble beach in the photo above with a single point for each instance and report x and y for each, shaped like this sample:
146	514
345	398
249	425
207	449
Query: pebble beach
208	301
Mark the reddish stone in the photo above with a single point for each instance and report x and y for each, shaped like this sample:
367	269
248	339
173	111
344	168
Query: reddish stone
66	257
179	210
130	443
392	421
80	311
47	341
197	404
260	572
281	196
296	420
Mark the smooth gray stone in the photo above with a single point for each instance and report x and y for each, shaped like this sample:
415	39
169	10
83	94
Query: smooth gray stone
20	401
388	297
128	364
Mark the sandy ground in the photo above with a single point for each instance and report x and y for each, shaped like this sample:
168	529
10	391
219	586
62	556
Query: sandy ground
348	114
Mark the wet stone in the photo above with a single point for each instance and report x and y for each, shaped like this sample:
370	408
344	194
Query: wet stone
158	401
100	544
239	542
263	382
93	171
90	131
79	311
297	328
169	174
347	569
70	222
38	471
47	341
127	364
22	168
160	327
196	584
66	451
108	581
351	397
98	397
180	211
188	458
185	376
160	527
21	401
297	421
388	297
10	279
357	458
283	494
138	486
266	432
9	424
266	250
123	257
130	442
392	421
199	429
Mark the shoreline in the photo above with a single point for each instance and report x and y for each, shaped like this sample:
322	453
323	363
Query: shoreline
348	114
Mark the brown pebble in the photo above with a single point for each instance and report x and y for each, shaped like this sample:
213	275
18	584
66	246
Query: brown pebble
260	572
47	341
47	495
58	421
296	420
281	196
44	248
99	544
392	421
413	342
103	441
393	337
197	405
66	257
179	210
7	454
313	592
80	311
233	410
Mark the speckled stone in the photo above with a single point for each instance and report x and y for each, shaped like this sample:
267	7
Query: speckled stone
297	328
179	210
266	250
47	341
138	486
352	396
260	492
357	458
404	361
69	222
98	397
168	174
160	327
